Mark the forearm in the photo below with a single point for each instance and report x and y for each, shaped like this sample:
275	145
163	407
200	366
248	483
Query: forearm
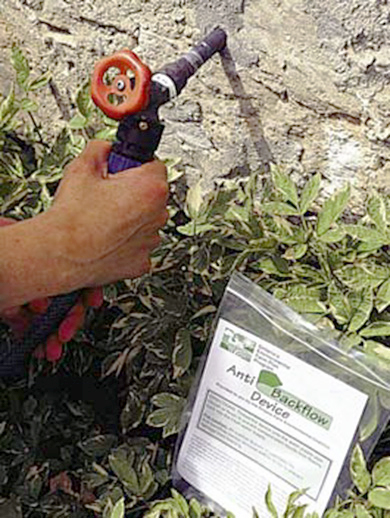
31	264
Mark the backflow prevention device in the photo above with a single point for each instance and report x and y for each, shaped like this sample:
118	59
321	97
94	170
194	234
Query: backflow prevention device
135	102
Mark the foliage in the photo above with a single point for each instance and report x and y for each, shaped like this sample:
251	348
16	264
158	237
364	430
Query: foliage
370	499
31	165
64	451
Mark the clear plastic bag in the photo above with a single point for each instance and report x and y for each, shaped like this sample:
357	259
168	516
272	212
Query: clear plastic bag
275	402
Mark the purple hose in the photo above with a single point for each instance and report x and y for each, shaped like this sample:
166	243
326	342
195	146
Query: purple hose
118	163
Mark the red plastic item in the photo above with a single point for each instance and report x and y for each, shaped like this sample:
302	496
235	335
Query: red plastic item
135	98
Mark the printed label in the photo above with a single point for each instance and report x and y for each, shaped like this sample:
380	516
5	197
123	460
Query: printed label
263	416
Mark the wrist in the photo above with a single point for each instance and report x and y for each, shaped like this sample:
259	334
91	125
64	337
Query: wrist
32	262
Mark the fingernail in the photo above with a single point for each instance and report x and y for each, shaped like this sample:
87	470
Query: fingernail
53	349
95	298
39	305
70	325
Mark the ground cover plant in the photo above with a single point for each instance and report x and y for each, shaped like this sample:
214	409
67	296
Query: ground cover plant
75	445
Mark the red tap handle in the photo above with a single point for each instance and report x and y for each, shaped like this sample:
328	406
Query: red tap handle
134	94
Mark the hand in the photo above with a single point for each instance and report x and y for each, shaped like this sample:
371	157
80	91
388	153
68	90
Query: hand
99	230
19	318
108	226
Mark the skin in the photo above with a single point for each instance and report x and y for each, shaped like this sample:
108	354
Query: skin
101	228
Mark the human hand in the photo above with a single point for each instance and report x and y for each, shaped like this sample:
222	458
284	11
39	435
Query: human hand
107	226
19	318
98	230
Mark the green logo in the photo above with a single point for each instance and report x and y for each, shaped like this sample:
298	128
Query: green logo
238	344
269	383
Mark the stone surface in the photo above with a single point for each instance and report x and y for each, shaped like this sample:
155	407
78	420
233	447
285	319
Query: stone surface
305	83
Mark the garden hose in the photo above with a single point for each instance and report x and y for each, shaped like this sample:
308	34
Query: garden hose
133	97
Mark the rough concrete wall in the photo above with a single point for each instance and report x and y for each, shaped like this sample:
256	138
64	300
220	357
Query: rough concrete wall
307	86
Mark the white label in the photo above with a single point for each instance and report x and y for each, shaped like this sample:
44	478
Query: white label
166	82
263	416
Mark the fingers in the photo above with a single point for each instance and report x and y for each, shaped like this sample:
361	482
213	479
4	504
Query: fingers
5	222
69	326
152	242
141	263
142	267
149	182
93	297
96	152
153	168
93	159
156	224
39	305
52	350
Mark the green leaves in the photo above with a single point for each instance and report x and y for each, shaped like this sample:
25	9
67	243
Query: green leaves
182	353
194	199
333	235
359	473
376	329
339	304
310	193
78	122
380	497
9	107
292	509
306	305
332	209
22	69
269	503
98	446
362	512
377	485
85	109
381	472
377	350
376	209
121	463
137	478
28	105
383	296
84	101
39	82
178	507
21	66
279	208
318	264
119	509
359	276
168	415
362	305
285	185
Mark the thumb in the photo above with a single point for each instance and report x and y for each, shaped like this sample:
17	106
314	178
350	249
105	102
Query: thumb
94	157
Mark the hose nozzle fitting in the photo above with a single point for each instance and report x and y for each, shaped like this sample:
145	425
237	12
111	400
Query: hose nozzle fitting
181	70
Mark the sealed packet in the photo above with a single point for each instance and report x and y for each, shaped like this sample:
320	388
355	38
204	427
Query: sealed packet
275	402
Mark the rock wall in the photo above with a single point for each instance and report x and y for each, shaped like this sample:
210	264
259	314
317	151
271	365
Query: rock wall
305	83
